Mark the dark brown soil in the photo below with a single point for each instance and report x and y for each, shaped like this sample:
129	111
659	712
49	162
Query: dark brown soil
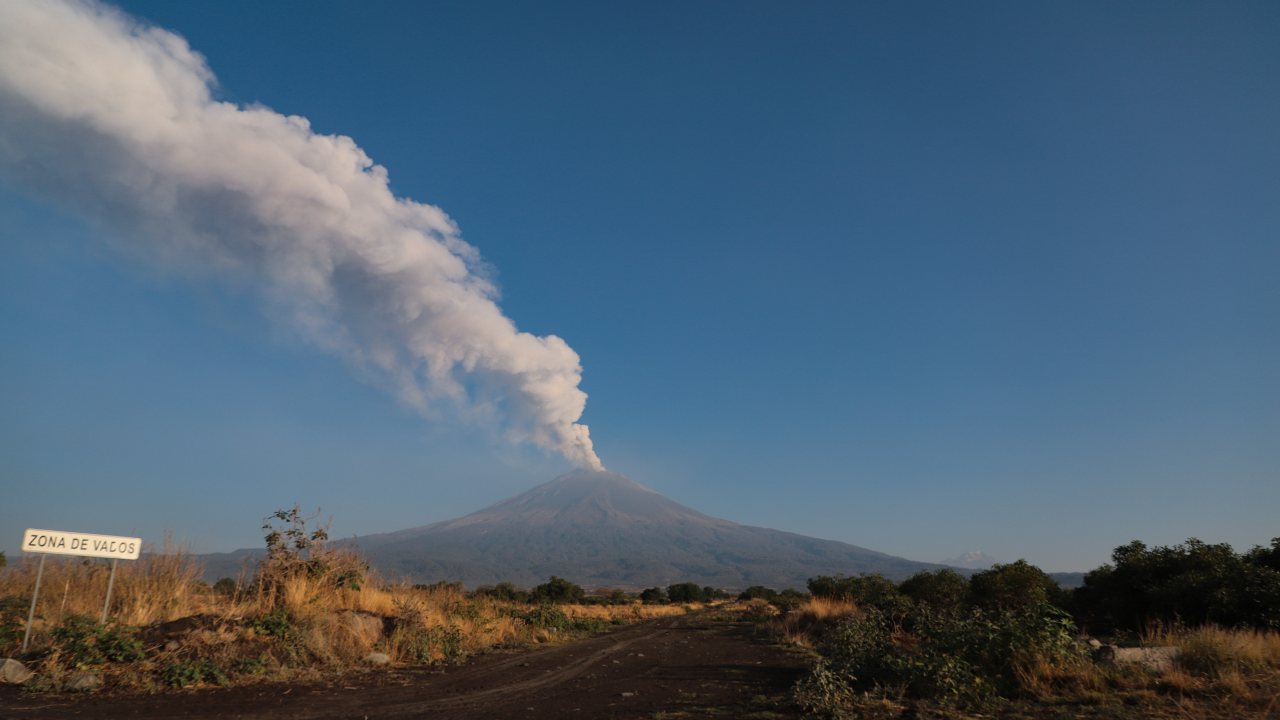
698	666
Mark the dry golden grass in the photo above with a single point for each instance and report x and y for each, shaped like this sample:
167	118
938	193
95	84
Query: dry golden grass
290	620
159	587
629	612
808	620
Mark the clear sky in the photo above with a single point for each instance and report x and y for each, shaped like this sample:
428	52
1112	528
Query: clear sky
924	277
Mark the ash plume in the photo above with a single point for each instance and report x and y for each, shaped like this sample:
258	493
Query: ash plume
115	120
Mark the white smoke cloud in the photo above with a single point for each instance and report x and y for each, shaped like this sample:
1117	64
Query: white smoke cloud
115	120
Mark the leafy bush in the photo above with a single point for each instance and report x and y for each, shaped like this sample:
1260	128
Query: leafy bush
503	591
955	659
557	590
547	617
87	642
653	596
944	590
685	593
13	618
874	591
1018	587
275	624
294	551
192	672
758	591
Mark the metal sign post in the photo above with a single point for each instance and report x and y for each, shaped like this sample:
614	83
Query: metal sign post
58	542
110	584
31	614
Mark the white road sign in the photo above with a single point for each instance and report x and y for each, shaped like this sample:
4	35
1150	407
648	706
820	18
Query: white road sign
60	542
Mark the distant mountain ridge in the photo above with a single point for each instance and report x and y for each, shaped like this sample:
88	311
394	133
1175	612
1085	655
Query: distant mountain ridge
601	529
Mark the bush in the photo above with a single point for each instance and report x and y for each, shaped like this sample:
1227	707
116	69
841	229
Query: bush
758	591
547	617
873	590
685	593
192	672
943	590
1017	587
86	642
503	591
295	551
13	618
653	596
557	590
954	659
275	624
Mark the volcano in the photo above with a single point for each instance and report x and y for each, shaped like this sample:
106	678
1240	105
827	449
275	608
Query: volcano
602	529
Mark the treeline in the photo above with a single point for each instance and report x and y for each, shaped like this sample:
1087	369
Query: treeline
1192	584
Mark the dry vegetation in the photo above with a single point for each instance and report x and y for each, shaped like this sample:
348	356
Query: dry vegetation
1217	673
305	614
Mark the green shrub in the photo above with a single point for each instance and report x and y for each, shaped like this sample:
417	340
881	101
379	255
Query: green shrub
758	591
275	624
653	596
13	619
557	590
503	591
685	593
872	590
548	617
1014	587
945	590
192	672
954	659
86	642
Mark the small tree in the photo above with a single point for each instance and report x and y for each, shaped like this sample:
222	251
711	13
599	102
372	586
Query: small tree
684	593
653	596
503	591
558	590
295	551
758	591
1018	587
944	590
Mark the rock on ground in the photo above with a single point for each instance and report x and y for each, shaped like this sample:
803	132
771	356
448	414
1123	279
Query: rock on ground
14	672
84	682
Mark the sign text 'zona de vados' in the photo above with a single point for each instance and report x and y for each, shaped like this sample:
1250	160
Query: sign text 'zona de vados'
59	542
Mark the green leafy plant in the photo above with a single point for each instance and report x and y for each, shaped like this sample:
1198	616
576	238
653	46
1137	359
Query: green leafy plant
548	617
192	672
85	642
275	624
12	620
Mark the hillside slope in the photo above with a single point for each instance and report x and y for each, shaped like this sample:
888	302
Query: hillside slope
602	529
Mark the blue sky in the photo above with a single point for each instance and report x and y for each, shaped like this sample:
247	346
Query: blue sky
923	277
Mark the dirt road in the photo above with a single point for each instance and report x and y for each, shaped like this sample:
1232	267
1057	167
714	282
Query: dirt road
697	666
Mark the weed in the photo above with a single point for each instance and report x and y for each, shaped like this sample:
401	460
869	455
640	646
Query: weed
86	642
275	624
192	672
